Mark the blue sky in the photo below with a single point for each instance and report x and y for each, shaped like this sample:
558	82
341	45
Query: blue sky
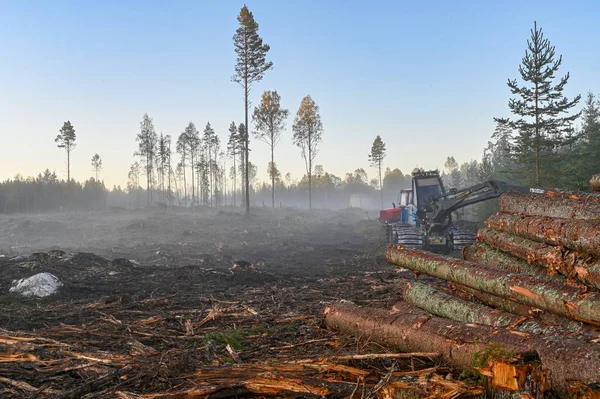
426	76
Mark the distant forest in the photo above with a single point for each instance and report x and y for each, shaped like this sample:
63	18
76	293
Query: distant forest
548	140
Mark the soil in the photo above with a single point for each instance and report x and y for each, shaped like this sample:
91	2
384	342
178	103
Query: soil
183	290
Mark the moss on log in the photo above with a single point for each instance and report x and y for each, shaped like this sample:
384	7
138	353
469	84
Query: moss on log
552	204
484	254
556	298
442	304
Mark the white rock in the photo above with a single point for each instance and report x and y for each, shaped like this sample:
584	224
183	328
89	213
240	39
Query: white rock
40	285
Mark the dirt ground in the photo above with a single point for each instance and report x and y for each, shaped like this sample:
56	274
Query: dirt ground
178	291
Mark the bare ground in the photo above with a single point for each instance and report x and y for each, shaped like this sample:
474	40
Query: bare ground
177	292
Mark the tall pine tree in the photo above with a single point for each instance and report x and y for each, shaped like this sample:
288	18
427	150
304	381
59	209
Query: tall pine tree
544	124
250	67
376	157
66	139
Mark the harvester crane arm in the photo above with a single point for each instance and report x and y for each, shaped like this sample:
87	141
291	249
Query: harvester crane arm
442	205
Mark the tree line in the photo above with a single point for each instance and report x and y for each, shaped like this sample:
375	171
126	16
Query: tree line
544	143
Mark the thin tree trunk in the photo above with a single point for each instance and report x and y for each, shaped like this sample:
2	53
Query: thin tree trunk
247	135
557	298
538	178
380	185
272	176
410	329
184	183
68	166
234	179
309	171
192	177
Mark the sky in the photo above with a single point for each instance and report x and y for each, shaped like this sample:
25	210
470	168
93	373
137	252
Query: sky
428	77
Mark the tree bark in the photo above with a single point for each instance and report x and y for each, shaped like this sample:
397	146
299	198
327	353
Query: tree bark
441	304
246	138
560	299
555	259
410	329
553	204
483	254
272	175
516	308
580	235
595	183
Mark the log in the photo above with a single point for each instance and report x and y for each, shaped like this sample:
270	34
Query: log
551	257
484	254
554	204
582	236
441	304
556	298
407	328
516	308
595	183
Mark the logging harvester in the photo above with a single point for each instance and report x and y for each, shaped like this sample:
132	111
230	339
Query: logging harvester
424	218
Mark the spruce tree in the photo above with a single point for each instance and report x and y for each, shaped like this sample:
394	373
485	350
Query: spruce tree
590	130
250	67
544	124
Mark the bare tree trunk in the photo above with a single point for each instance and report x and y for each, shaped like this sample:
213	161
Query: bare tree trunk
557	298
68	166
234	179
247	135
272	176
380	185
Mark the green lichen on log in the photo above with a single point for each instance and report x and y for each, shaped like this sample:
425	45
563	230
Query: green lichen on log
442	304
576	234
484	254
516	308
555	204
560	299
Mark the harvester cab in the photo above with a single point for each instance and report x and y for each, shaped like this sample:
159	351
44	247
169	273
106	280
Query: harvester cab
407	223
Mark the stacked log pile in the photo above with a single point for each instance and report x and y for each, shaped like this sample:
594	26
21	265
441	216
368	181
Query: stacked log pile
521	309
